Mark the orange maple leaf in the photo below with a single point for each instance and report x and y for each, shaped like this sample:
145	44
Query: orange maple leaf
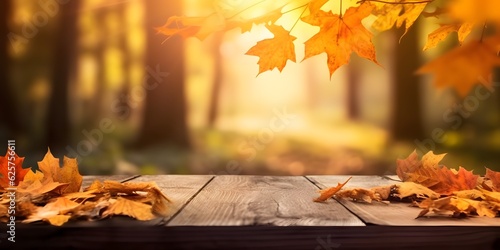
430	174
339	36
328	193
67	174
276	51
475	11
181	26
494	177
465	66
315	5
11	167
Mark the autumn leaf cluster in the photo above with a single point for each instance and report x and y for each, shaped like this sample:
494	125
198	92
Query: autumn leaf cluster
54	194
345	30
432	187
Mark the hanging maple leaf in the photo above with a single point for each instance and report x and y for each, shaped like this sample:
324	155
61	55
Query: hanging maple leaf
396	12
276	51
340	36
68	173
437	36
12	164
219	20
474	11
246	24
465	66
315	6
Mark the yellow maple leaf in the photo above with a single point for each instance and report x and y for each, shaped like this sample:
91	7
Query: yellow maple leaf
220	20
465	66
396	12
339	36
442	32
276	51
67	174
458	206
130	208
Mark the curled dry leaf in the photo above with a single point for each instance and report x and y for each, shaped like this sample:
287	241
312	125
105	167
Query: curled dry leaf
491	196
359	194
328	193
470	194
409	189
494	179
400	191
130	208
456	206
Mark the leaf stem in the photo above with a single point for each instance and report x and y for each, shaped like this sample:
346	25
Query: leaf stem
340	14
302	13
482	32
296	8
245	9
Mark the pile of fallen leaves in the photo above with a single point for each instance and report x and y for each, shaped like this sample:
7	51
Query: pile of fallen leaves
433	188
54	194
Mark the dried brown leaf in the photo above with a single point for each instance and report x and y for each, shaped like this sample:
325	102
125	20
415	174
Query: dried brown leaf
130	208
359	194
328	193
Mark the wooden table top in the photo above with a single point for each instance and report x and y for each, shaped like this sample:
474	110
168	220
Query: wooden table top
266	212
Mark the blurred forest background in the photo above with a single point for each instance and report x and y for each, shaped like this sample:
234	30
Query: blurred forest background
92	79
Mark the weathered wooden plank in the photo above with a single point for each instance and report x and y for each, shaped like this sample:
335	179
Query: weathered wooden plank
88	179
396	213
136	236
261	200
179	188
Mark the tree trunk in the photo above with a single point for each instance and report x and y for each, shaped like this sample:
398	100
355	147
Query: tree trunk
100	82
213	107
58	124
353	73
406	104
9	120
125	88
164	120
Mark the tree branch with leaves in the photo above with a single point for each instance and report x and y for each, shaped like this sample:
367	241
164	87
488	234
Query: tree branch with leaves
341	33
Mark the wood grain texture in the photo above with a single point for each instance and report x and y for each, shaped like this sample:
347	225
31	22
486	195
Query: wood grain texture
395	214
230	200
178	188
